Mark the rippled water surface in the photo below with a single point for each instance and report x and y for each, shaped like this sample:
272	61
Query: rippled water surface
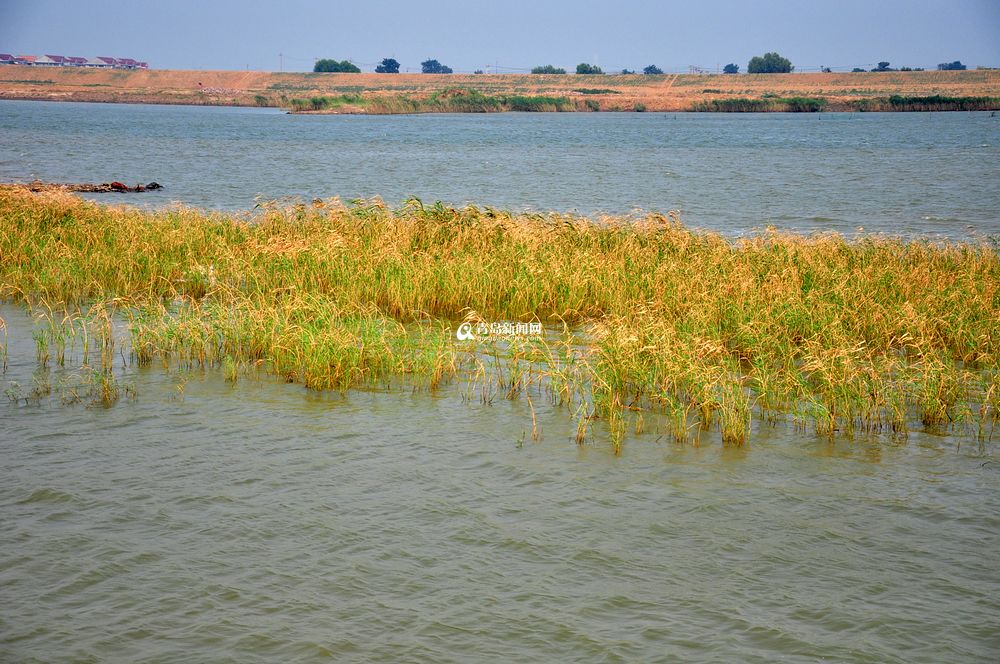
203	521
887	172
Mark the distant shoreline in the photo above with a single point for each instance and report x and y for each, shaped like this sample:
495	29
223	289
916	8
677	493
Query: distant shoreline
381	94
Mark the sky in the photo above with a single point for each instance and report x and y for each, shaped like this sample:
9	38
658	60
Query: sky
508	36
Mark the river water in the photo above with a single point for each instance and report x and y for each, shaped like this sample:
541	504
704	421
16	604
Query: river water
912	173
204	521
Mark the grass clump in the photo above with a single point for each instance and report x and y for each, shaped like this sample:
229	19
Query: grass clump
841	337
928	103
769	103
452	100
325	103
803	104
734	105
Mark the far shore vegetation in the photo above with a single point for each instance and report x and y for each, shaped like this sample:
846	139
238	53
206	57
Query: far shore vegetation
869	336
465	100
389	90
743	105
929	103
447	101
335	67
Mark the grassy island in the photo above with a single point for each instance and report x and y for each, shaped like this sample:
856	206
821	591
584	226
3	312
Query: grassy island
872	334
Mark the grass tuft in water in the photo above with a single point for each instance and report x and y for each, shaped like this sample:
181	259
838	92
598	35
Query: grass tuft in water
866	336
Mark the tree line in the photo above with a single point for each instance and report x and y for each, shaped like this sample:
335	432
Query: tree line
387	66
769	63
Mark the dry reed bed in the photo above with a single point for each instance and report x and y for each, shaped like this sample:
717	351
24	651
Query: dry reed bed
872	334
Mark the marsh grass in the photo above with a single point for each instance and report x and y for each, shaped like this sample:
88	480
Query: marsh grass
451	100
870	336
4	352
770	103
69	337
927	103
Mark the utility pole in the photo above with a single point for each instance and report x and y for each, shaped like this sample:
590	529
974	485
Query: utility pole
281	62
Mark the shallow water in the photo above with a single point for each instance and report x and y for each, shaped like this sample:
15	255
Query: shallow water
203	521
911	173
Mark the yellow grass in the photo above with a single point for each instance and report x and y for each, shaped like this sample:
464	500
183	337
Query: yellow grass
872	335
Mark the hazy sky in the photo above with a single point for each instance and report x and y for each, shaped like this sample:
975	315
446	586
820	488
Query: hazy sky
514	34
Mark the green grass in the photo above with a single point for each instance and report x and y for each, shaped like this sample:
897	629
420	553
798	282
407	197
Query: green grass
870	336
802	104
930	103
325	103
768	104
452	100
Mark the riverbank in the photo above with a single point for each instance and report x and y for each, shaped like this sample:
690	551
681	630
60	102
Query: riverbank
412	93
868	336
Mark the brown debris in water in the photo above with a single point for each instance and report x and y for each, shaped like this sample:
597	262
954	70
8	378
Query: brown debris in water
104	187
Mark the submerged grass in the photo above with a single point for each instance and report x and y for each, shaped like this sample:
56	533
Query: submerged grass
875	334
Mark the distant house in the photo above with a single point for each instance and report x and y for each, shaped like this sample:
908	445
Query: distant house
50	61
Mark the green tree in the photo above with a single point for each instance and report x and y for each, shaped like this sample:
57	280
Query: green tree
434	67
769	63
342	67
857	70
731	69
651	70
548	69
883	66
952	66
388	66
584	68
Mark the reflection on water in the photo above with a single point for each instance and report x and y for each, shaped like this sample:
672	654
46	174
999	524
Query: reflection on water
262	522
886	172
